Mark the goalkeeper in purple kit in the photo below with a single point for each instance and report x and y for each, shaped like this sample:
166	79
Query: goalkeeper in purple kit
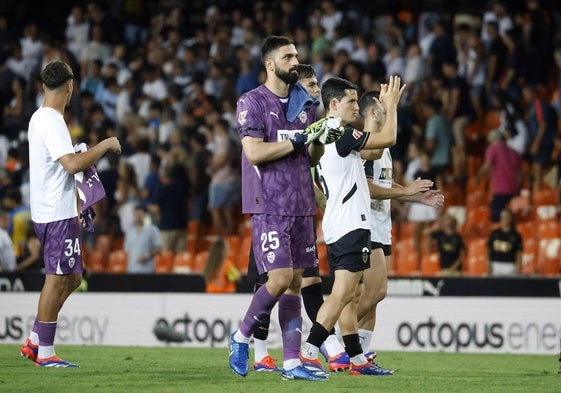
277	191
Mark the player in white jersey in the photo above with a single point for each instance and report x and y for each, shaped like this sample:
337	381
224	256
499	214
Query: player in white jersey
382	189
346	222
52	165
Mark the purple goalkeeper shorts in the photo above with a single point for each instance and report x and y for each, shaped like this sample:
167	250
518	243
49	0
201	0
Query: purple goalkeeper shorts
60	241
283	241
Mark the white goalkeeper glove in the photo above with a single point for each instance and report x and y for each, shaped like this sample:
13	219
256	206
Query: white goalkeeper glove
333	131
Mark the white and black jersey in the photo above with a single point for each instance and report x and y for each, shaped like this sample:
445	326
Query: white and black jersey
380	172
341	174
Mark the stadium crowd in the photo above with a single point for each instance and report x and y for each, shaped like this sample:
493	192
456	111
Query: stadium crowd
164	77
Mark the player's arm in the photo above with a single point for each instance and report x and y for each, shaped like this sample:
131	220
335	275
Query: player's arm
398	191
371	154
74	163
390	95
259	152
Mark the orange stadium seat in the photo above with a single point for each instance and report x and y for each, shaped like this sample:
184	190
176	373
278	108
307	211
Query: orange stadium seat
118	260
96	261
430	264
163	262
547	230
546	196
548	262
182	262
324	269
200	261
477	265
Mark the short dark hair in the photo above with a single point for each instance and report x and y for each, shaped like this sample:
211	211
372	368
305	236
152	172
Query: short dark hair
272	43
56	74
305	71
366	100
335	88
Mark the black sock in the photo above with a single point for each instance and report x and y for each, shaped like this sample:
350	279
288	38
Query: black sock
352	344
318	334
312	297
262	331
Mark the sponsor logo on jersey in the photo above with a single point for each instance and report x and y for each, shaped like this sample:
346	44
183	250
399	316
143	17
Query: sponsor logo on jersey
276	114
357	134
242	117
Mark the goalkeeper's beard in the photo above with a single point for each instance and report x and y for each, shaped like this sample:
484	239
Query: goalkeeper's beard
289	77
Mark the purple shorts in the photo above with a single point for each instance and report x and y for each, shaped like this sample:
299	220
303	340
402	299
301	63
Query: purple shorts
283	241
60	241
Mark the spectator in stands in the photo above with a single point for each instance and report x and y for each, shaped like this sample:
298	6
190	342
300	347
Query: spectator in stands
505	247
142	243
504	165
20	217
459	109
7	256
171	208
438	140
224	189
32	257
449	243
542	124
513	124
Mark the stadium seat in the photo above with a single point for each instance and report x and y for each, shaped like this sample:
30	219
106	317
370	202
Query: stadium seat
163	261
475	248
430	264
548	262
96	261
545	196
407	263
478	222
103	242
199	261
547	230
546	213
477	265
182	262
118	260
477	198
526	229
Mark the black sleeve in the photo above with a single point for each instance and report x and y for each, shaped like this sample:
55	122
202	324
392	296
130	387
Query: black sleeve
351	140
369	169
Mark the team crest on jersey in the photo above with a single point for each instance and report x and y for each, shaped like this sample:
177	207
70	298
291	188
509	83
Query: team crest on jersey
365	253
241	117
303	116
270	257
357	134
71	262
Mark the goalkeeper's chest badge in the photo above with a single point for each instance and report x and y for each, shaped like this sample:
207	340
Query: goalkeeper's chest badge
303	117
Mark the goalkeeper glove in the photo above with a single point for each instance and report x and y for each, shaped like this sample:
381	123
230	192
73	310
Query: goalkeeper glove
309	135
333	131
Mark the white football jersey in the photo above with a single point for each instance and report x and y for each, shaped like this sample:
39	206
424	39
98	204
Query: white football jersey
52	188
342	177
380	172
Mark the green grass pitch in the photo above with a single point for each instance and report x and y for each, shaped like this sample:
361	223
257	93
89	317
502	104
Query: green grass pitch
106	369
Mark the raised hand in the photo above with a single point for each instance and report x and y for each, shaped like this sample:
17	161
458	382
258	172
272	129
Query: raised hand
393	94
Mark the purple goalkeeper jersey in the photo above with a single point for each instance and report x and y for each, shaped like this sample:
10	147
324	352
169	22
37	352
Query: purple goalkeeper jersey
282	187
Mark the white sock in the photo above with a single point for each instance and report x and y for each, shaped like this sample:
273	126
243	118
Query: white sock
239	337
289	364
359	359
310	351
46	351
333	346
365	337
34	338
260	348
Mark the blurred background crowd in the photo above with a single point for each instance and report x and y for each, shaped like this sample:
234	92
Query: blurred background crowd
480	117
